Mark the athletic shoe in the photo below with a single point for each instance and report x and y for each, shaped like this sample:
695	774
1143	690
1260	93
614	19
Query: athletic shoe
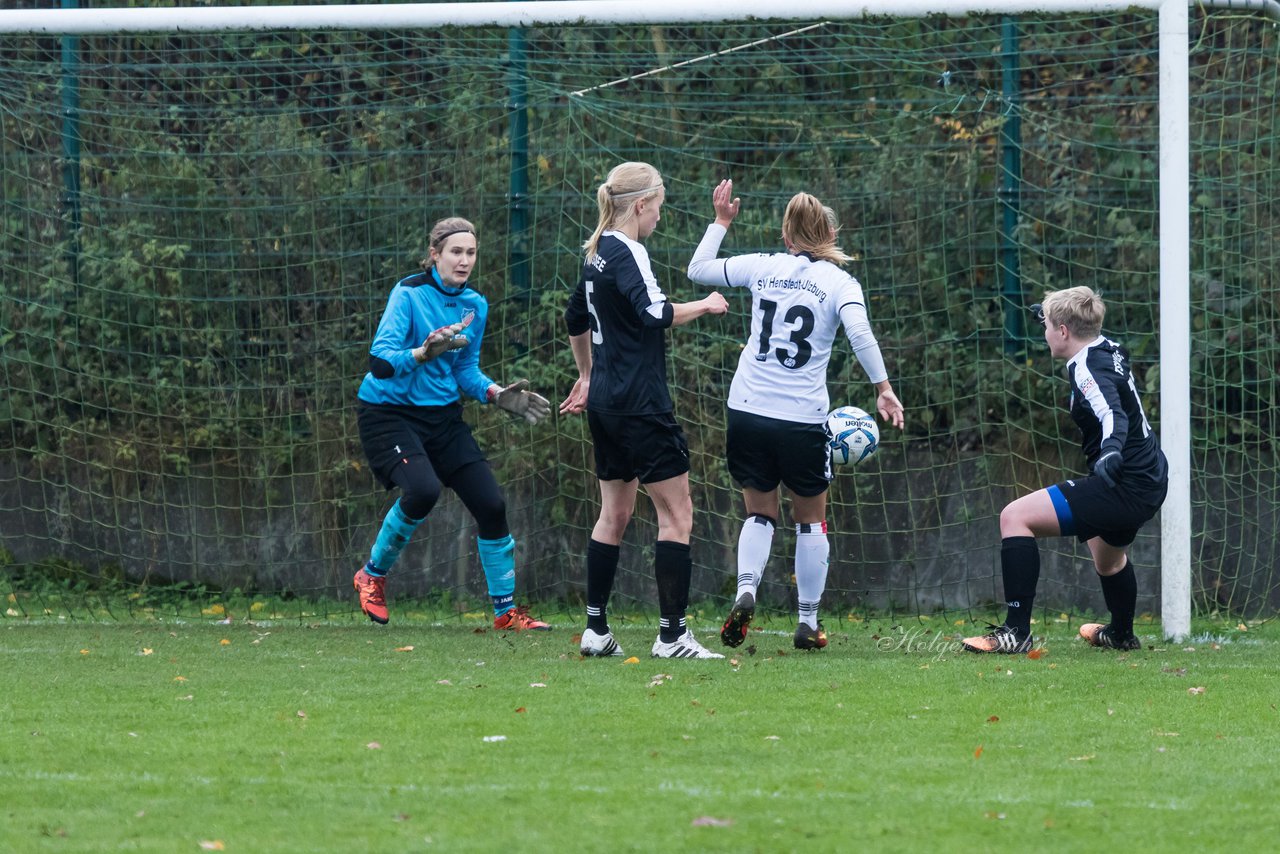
685	646
1106	636
599	645
372	592
1001	639
808	638
734	631
518	619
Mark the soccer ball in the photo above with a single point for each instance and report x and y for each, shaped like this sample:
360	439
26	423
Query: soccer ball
852	435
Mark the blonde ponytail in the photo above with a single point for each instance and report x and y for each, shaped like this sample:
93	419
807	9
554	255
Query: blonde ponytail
811	228
616	197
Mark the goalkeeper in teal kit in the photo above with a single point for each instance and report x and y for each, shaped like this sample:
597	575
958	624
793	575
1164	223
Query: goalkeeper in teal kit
425	354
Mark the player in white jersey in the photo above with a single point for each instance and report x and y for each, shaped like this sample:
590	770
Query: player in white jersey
800	299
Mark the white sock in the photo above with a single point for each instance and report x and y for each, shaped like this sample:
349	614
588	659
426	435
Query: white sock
812	555
754	544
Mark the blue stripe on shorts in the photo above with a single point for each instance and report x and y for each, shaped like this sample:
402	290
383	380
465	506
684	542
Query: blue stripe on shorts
1066	522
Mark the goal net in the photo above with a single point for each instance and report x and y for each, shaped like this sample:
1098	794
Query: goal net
200	231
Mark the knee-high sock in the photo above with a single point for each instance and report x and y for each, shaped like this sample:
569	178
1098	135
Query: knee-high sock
1020	567
673	567
498	560
1121	593
602	567
813	554
396	530
754	543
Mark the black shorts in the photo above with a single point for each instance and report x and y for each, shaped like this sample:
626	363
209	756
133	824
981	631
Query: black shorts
1088	508
763	452
389	434
649	447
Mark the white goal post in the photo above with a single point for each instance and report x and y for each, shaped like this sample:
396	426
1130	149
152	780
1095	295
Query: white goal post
1174	147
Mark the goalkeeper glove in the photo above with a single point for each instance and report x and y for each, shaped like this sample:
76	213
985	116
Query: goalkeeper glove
442	340
520	402
1108	467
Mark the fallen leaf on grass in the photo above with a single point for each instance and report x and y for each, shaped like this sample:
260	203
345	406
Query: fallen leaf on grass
632	660
212	845
373	745
1036	654
404	649
443	682
977	752
225	642
1085	758
520	710
179	679
771	738
146	651
301	713
711	821
1194	691
993	719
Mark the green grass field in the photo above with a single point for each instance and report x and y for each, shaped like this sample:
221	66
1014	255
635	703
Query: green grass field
190	736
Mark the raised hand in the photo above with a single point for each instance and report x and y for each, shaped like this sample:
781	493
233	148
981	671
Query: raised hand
725	204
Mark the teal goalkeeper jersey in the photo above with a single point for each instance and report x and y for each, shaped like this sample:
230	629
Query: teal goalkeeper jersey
418	305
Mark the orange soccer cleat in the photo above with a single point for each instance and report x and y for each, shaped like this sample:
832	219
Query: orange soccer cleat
518	619
372	592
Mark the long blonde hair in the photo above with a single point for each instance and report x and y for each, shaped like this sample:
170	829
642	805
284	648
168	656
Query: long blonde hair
811	227
616	197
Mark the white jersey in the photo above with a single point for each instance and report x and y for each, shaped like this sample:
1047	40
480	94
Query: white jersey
797	307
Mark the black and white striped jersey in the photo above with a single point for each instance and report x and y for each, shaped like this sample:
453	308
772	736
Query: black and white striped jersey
798	305
1106	407
619	300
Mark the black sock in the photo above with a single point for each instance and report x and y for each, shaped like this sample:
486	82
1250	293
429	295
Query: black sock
673	568
602	566
1020	566
1121	594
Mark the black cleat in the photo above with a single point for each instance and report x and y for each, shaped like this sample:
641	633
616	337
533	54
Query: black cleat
1105	636
734	631
1001	639
807	638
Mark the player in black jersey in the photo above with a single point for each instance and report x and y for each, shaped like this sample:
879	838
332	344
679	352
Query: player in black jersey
617	319
1128	485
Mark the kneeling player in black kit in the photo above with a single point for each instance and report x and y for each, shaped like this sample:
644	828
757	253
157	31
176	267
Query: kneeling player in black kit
1130	477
